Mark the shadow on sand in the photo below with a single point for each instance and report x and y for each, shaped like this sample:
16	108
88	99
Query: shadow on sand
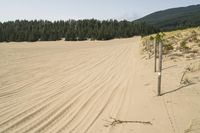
179	88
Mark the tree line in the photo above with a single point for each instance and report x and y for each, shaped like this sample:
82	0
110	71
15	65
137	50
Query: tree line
71	30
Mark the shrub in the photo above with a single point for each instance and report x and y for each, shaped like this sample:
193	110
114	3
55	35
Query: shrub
168	47
183	45
151	38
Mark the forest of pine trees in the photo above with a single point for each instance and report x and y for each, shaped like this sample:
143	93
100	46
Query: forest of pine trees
71	30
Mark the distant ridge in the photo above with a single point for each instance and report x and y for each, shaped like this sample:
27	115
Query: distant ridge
175	18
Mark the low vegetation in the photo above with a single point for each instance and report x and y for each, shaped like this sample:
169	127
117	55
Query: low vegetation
181	42
183	46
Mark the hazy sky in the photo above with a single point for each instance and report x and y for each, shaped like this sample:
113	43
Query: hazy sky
82	9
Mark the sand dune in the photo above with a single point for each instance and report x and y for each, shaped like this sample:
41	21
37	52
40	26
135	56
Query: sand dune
75	87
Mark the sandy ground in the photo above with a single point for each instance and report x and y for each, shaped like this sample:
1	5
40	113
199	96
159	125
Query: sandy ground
75	87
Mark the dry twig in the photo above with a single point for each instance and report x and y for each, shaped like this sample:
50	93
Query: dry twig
115	122
185	81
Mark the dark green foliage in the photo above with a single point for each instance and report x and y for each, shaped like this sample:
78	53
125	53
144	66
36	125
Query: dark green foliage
176	18
71	30
159	37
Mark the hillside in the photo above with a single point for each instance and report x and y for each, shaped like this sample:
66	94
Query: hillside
175	18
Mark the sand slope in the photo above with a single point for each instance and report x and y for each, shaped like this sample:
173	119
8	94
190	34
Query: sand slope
75	87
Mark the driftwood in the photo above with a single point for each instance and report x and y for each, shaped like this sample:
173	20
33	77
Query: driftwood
115	122
185	81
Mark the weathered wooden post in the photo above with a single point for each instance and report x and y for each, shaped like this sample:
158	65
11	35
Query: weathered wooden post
160	68
155	54
149	49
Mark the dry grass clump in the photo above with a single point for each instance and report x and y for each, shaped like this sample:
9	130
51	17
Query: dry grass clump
183	46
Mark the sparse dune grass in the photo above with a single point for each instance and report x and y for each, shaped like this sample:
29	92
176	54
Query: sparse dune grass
185	41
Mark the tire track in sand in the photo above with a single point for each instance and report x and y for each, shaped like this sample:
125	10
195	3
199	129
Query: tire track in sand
71	92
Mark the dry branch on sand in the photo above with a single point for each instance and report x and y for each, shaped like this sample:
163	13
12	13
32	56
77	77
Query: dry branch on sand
192	67
185	81
115	122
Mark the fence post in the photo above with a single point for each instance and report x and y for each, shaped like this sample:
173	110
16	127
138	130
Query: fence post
160	68
155	54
